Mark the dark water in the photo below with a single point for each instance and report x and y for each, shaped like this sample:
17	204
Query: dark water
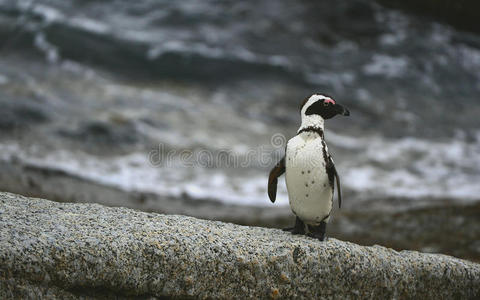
147	95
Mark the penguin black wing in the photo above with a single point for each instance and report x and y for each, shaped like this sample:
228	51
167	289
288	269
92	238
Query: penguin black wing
332	173
276	172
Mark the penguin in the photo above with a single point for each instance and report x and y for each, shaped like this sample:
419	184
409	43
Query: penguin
309	169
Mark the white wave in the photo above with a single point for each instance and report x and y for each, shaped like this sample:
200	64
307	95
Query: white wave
134	172
386	65
217	52
337	80
90	25
48	13
51	52
411	167
375	167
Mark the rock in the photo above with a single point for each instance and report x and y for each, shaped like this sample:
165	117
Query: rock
50	249
21	113
103	134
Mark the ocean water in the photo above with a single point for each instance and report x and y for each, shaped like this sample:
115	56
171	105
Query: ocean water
198	98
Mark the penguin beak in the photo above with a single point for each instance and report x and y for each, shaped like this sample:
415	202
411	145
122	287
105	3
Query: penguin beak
341	110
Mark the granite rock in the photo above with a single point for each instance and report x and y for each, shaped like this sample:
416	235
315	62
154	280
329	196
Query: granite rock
50	249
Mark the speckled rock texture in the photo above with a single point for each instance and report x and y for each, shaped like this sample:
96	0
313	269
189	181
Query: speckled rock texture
61	250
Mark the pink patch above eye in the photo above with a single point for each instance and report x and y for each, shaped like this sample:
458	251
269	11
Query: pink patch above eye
328	100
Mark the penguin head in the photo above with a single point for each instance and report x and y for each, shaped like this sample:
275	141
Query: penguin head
323	106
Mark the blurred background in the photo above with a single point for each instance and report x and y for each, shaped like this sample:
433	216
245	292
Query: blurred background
183	107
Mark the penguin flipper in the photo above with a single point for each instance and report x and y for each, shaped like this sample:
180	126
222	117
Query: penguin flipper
276	172
331	168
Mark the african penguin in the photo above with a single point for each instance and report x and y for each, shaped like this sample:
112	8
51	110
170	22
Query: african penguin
310	170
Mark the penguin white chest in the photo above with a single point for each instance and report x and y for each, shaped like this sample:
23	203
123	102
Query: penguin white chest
309	191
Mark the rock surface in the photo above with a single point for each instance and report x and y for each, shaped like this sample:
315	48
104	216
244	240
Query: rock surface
50	249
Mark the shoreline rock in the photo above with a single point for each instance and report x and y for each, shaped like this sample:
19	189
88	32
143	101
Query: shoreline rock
88	250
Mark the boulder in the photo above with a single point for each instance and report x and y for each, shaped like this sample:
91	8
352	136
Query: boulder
51	249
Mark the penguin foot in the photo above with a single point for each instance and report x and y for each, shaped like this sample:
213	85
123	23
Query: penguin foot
319	237
318	232
299	227
294	230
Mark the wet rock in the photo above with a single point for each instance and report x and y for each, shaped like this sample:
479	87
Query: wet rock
20	113
450	228
77	250
103	133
